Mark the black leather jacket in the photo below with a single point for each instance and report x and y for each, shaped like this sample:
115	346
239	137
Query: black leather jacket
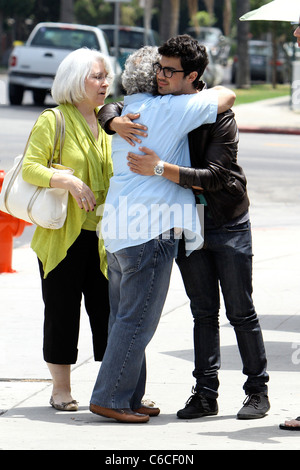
214	167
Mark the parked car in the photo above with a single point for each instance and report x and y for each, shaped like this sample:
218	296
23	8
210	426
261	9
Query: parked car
260	60
215	40
131	38
292	50
33	66
214	72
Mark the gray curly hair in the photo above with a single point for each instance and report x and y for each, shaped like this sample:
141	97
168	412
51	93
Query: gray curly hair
138	75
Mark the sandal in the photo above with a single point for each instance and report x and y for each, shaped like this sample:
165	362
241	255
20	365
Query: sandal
69	406
290	428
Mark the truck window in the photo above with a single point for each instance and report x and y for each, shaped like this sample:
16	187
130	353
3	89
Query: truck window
65	38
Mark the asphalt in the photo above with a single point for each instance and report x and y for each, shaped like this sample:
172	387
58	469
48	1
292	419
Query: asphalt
27	422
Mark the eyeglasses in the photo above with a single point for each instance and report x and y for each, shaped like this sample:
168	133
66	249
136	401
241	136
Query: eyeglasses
100	77
295	26
167	71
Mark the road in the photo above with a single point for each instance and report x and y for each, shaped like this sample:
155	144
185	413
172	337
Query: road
272	166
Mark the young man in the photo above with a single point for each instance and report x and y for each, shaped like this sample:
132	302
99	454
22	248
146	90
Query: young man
138	228
226	257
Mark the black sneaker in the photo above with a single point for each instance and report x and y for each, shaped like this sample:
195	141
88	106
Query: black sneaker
255	406
198	405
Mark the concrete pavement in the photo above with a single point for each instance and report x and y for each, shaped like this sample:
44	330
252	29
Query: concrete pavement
27	422
268	116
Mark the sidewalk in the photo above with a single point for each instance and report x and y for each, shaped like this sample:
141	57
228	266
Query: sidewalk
27	422
268	116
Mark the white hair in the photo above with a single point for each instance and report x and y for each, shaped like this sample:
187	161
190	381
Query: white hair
138	76
69	82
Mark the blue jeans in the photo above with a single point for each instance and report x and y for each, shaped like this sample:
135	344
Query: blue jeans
139	278
225	258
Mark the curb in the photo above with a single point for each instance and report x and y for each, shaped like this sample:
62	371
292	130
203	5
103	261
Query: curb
269	130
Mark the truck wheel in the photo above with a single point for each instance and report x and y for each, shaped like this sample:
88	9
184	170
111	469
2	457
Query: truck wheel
39	97
15	93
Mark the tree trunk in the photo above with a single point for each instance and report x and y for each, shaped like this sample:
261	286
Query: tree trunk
243	69
169	19
227	14
210	6
2	40
67	11
193	9
147	4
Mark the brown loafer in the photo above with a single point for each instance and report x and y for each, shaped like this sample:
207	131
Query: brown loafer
125	415
148	410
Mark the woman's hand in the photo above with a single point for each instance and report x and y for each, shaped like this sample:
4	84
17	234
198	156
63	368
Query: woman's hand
127	129
83	195
143	164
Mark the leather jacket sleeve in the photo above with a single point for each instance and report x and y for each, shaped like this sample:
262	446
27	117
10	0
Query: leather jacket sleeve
216	148
107	113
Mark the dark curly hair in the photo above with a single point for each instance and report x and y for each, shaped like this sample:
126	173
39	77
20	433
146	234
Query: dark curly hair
193	56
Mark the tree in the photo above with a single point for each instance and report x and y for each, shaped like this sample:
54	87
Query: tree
94	12
169	19
210	6
12	22
243	69
193	9
227	16
67	11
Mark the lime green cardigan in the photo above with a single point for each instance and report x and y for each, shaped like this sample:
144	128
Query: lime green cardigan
91	162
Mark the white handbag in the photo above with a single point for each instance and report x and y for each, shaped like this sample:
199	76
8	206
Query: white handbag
46	207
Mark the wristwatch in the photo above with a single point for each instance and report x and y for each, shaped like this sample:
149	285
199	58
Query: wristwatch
159	168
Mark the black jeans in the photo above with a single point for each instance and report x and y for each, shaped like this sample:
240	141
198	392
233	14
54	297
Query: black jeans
79	273
226	258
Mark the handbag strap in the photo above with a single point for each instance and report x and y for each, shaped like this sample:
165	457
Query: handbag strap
60	132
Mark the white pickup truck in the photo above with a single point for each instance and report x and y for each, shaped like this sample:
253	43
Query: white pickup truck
33	66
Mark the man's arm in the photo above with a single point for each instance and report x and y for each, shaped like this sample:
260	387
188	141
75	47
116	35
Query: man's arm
111	121
226	97
144	164
107	113
219	156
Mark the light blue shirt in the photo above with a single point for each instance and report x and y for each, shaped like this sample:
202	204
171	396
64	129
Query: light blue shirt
139	208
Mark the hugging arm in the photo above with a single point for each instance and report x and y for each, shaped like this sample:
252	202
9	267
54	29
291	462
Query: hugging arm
112	122
217	159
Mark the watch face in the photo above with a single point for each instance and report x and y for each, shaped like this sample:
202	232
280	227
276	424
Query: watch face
159	170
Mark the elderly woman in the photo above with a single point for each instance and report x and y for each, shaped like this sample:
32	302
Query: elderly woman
69	258
140	217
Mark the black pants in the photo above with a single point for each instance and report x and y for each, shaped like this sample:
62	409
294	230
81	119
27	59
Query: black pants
79	273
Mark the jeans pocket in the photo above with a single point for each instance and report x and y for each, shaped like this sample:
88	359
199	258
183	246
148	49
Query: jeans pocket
130	258
168	238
